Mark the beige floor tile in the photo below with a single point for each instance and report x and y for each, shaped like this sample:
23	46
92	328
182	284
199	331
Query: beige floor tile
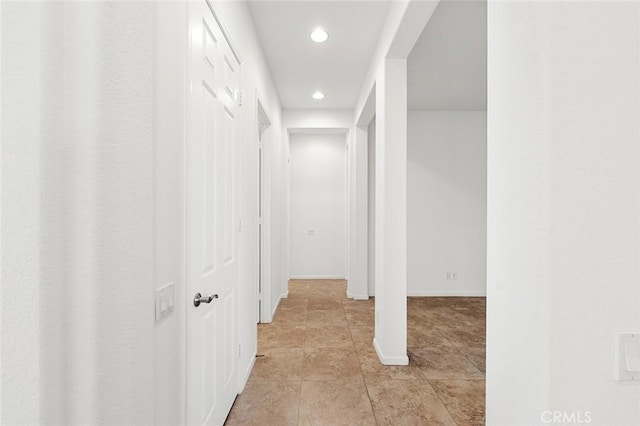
359	304
329	288
335	404
299	288
324	303
294	302
422	337
278	364
319	318
322	364
362	333
280	336
398	402
477	356
329	336
463	398
440	316
464	337
444	363
446	343
272	403
372	369
359	318
290	316
364	347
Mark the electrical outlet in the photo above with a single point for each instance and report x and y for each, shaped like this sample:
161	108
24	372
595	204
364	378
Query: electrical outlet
452	275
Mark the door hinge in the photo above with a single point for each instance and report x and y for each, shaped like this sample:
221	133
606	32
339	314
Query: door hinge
240	225
239	351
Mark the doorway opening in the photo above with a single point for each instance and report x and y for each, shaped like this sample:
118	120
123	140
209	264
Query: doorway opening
318	205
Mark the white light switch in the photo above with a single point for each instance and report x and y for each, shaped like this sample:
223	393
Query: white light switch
632	355
165	301
627	356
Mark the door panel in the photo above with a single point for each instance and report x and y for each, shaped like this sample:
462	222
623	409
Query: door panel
211	217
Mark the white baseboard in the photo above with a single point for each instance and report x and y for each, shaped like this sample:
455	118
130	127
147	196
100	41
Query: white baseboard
360	296
275	307
430	293
247	373
386	360
357	296
318	277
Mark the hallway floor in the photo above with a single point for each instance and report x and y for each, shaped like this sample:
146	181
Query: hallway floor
320	367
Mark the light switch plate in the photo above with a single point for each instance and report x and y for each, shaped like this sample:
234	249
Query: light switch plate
627	357
165	302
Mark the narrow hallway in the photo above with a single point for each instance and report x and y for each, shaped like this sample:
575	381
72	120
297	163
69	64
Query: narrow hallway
318	364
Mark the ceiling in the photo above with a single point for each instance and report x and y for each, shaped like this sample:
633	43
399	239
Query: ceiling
447	69
300	67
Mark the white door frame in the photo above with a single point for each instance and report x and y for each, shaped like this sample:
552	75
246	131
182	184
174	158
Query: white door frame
263	123
358	284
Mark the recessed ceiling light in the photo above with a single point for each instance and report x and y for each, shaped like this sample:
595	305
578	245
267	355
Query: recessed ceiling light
318	95
319	35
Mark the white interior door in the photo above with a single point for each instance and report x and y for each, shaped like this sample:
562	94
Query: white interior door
212	231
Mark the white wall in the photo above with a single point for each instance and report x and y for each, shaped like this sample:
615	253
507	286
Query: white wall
371	208
93	204
447	202
563	208
169	90
318	196
323	121
317	119
77	213
309	120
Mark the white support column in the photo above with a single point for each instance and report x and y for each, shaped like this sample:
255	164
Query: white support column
391	213
351	270
359	217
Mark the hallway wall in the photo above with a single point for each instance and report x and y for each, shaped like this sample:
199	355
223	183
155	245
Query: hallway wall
447	203
93	208
77	213
563	209
169	88
318	206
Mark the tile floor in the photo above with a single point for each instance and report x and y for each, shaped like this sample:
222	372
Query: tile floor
320	368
